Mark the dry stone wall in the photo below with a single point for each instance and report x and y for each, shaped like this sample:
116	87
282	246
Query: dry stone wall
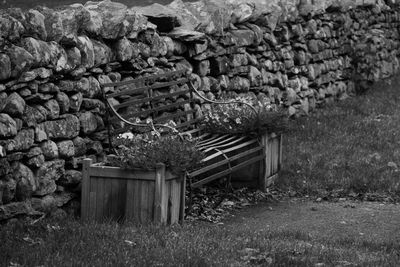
296	54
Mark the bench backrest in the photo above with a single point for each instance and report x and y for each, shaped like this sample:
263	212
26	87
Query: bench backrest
161	97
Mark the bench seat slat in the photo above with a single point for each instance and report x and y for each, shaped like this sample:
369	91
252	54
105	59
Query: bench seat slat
218	143
235	141
225	161
229	150
225	172
212	139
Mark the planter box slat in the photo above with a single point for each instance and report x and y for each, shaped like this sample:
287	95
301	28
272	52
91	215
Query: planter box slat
119	194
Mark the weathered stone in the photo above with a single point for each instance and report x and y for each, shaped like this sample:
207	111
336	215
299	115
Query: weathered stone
86	49
89	87
8	126
125	50
53	108
75	102
203	68
5	67
27	76
47	175
53	24
40	50
66	149
67	127
219	65
73	17
106	19
80	146
21	60
14	105
237	60
34	115
22	141
88	122
3	153
63	102
35	25
26	183
70	178
102	53
94	104
255	77
40	135
49	150
290	97
239	84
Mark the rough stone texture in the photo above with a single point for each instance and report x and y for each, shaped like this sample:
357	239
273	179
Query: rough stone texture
8	126
26	183
66	127
49	149
47	175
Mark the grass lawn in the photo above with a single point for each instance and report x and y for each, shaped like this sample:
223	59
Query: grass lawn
350	148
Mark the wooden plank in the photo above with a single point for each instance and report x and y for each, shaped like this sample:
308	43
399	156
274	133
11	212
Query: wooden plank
229	150
263	164
130	199
146	78
275	155
280	152
153	86
85	193
144	209
182	200
158	194
225	172
175	201
225	161
212	139
100	214
108	197
235	141
114	199
147	99
116	172
92	206
150	201
268	158
136	201
157	109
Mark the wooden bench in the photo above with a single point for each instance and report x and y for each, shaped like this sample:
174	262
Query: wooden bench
252	161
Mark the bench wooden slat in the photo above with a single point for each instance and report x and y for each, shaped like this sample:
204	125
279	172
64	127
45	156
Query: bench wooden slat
225	145
225	161
174	115
225	172
214	138
149	99
160	108
229	149
144	79
143	88
219	142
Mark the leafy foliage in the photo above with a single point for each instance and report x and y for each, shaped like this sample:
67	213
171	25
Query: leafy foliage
145	151
237	118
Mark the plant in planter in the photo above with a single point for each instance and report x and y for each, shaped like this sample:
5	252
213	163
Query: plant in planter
142	182
244	116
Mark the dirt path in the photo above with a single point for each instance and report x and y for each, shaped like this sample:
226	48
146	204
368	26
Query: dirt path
369	221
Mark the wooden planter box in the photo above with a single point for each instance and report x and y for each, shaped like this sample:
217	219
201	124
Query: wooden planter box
112	193
262	173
